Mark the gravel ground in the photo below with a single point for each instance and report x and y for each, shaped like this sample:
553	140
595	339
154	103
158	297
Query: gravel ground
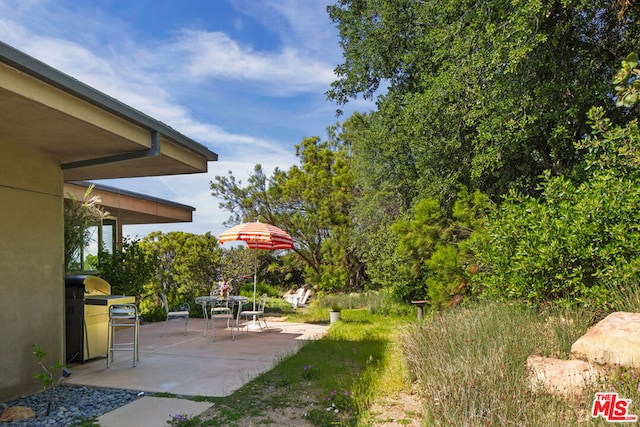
70	403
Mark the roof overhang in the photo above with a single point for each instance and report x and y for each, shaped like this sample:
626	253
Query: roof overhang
92	135
129	207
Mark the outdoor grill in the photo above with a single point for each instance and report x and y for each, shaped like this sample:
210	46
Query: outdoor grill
87	300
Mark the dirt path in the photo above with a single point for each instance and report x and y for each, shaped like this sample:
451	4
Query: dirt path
403	410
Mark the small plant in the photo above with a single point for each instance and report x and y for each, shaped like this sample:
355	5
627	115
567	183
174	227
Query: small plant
183	420
308	373
336	308
337	412
626	381
340	401
48	377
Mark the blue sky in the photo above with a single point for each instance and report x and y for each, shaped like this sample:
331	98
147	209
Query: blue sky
246	78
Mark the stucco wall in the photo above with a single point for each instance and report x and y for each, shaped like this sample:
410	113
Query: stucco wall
31	266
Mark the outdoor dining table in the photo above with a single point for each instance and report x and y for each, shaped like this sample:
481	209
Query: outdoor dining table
215	300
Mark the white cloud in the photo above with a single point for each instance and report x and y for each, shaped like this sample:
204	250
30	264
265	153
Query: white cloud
285	72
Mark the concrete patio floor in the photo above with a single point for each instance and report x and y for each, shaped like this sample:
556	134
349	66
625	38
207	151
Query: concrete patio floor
189	365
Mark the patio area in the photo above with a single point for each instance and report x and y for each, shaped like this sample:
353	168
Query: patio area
193	365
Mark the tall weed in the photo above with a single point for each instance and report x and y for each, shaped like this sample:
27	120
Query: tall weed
470	364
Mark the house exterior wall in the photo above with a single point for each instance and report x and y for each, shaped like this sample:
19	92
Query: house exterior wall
31	266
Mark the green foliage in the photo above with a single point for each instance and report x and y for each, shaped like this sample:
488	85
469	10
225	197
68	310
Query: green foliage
485	94
577	243
627	80
310	201
184	420
129	269
380	303
152	310
571	246
187	264
261	288
48	377
432	251
610	147
86	422
625	380
236	265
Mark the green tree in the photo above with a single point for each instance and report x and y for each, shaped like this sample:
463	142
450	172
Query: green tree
486	94
431	259
574	245
236	265
310	201
187	264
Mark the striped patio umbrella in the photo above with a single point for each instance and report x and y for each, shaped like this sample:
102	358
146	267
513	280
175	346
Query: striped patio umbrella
258	235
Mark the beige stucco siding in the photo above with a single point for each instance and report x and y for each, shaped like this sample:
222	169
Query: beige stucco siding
31	265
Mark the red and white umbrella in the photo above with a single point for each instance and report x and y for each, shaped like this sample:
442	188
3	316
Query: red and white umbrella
258	235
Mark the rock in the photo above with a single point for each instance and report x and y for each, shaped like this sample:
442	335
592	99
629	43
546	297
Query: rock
614	340
17	413
566	378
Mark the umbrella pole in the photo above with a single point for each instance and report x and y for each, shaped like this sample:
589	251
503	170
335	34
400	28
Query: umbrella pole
255	285
255	278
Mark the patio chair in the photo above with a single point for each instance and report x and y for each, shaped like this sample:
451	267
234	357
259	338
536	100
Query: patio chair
181	313
295	297
255	314
302	301
224	312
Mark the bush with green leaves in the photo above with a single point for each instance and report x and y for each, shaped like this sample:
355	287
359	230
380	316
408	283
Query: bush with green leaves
576	243
128	269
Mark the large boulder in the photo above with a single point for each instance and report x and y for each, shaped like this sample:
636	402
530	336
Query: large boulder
614	340
566	378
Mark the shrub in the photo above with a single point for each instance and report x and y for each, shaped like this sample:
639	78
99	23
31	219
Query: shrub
574	245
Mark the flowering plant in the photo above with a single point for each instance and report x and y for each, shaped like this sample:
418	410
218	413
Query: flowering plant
339	401
308	373
340	410
183	420
625	380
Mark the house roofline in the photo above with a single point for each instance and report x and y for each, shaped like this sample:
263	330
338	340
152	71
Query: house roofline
41	71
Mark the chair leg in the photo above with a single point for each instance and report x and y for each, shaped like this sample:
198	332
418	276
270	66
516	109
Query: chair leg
109	344
186	320
136	340
165	326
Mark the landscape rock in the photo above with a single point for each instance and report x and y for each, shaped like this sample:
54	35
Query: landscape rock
566	378
15	413
614	340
